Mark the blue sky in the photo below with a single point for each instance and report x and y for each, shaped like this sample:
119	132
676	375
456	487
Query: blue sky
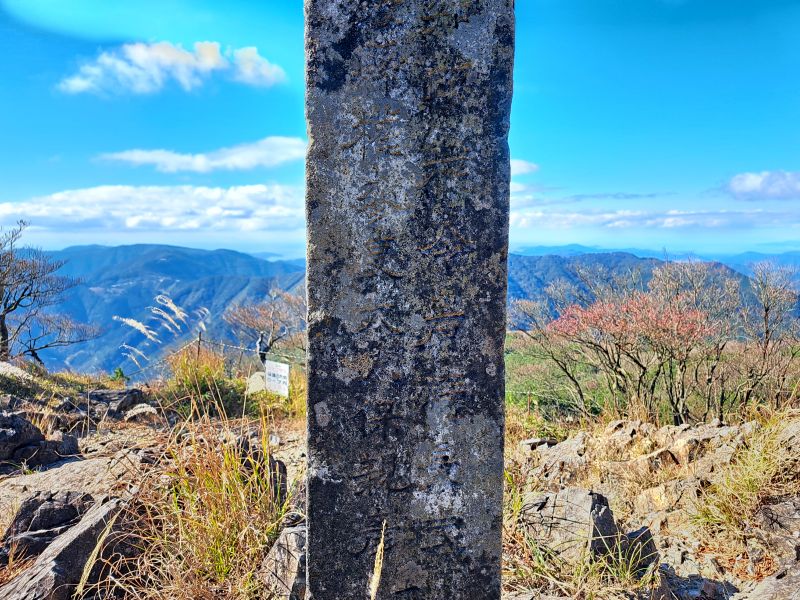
637	123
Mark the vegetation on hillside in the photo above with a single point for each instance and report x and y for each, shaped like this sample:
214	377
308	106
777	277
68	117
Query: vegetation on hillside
691	343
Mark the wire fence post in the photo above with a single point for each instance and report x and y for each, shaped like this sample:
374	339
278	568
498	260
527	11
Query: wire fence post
199	342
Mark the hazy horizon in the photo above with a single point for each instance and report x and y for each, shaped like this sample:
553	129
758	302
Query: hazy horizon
542	249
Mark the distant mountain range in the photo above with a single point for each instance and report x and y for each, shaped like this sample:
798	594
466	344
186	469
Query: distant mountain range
740	262
122	281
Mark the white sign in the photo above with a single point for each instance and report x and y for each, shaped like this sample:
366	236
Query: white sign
277	375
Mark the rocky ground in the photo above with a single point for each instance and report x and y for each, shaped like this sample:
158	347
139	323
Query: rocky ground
634	490
628	490
69	471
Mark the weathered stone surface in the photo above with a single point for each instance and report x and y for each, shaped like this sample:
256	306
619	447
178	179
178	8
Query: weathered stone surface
100	476
54	575
644	466
9	402
783	585
116	401
407	200
42	518
562	464
45	452
16	432
693	587
667	496
639	549
284	568
576	524
777	527
621	435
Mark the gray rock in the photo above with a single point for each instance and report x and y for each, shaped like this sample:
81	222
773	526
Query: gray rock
639	549
9	402
777	527
534	443
45	452
783	585
575	524
408	172
42	518
621	435
284	569
668	496
116	402
57	571
99	476
15	433
561	465
693	587
789	438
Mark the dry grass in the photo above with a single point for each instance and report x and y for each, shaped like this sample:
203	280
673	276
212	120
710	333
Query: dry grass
528	566
196	372
202	520
15	566
762	469
46	387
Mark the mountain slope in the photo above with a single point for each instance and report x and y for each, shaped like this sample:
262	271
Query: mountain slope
123	282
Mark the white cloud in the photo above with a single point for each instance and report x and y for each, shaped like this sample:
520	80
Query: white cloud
766	185
164	208
254	69
146	68
523	216
268	152
522	167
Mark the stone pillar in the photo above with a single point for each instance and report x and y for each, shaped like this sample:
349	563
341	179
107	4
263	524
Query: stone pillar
408	174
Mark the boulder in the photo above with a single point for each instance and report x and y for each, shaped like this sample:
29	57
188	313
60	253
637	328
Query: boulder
56	572
574	523
677	493
284	569
45	452
783	585
99	477
40	519
777	527
115	402
652	463
639	549
562	464
16	432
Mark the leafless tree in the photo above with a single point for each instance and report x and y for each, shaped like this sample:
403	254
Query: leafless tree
30	287
771	331
531	319
279	320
